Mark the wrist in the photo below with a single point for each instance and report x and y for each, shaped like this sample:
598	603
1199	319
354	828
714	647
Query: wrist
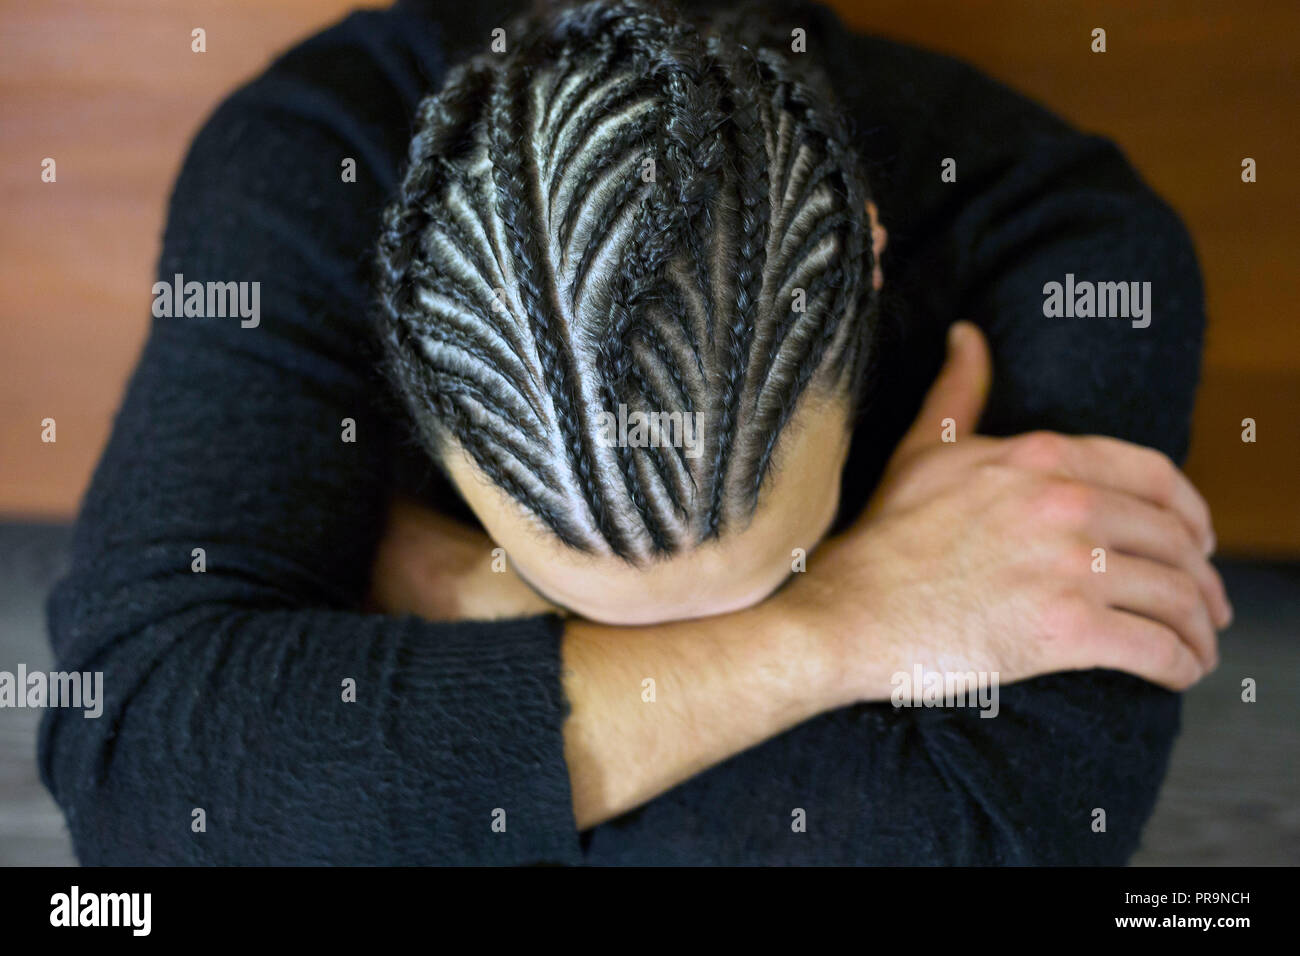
829	664
845	621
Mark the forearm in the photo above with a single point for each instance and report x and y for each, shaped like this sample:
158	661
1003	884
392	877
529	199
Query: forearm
306	737
880	786
720	686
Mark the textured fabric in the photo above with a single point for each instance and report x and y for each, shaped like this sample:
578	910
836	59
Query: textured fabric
225	688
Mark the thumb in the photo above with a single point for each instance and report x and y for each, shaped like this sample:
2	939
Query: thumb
959	393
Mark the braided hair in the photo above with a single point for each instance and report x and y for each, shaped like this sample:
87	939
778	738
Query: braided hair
626	208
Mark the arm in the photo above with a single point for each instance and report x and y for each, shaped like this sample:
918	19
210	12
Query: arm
246	683
721	685
973	557
715	690
1034	199
225	688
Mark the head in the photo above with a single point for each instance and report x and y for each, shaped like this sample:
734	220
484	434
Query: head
628	296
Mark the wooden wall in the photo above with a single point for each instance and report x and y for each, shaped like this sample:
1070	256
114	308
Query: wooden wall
113	93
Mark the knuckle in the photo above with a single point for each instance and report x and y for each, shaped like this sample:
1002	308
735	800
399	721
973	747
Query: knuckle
1166	655
1172	652
1162	475
1069	502
1185	597
1168	529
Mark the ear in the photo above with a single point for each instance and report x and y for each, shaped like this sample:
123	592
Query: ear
879	237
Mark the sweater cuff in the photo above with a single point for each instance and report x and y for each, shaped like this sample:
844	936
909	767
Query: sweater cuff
481	708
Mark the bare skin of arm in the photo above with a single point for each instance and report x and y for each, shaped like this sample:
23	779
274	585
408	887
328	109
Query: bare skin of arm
971	556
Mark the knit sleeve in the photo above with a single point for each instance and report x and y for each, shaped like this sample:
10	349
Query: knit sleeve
1032	201
253	714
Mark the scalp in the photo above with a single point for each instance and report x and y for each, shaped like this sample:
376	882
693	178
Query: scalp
626	208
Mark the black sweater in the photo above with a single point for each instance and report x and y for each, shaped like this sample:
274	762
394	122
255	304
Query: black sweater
224	688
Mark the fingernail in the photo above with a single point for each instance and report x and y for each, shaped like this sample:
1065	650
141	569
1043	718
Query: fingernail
955	332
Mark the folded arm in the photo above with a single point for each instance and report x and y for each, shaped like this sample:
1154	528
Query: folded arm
1034	199
251	686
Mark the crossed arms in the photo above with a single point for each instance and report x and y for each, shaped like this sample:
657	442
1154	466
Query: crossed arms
222	689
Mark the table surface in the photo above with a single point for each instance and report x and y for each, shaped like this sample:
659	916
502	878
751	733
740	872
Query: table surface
1232	795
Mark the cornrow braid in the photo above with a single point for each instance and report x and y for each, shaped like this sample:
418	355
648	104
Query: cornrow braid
617	213
751	185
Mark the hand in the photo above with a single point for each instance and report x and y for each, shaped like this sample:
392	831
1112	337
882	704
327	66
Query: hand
981	555
435	567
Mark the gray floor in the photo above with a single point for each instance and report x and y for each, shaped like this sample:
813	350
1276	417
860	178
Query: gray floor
31	827
1232	796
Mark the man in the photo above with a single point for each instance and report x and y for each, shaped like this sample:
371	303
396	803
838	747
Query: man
312	732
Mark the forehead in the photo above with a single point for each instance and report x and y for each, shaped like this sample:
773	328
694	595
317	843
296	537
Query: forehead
737	569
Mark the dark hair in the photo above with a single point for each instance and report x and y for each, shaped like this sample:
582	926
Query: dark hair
532	275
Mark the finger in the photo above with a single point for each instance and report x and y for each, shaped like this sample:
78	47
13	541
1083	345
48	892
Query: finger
1138	470
1161	593
959	393
1128	524
1151	475
1123	641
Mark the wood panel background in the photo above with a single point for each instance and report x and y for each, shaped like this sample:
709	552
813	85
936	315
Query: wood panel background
112	92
